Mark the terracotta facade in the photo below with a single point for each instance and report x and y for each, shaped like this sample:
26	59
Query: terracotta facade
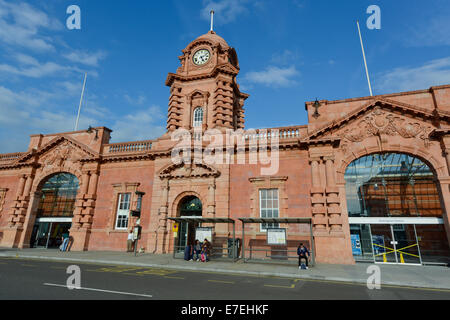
310	180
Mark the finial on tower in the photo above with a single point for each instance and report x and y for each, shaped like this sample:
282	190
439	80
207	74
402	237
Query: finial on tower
212	20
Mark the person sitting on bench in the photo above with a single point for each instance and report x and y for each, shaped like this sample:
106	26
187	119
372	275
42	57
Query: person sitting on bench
303	253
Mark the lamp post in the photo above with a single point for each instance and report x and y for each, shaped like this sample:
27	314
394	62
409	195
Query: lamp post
316	105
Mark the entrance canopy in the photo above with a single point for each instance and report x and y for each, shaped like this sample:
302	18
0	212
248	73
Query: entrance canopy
201	219
278	220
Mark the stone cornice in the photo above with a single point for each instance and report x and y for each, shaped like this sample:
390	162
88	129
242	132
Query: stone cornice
224	68
383	103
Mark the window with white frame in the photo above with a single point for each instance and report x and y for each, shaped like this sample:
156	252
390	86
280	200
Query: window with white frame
198	117
268	207
123	210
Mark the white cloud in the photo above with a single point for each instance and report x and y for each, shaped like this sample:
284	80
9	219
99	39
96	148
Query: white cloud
139	125
226	10
285	57
36	70
20	24
86	58
431	73
273	76
434	33
135	101
26	112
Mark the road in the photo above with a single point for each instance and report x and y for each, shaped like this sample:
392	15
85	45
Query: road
29	279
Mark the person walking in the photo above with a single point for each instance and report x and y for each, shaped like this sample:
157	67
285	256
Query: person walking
303	253
130	241
188	252
65	237
206	247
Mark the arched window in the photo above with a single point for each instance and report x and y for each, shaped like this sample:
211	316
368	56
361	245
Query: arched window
58	196
391	185
394	209
198	117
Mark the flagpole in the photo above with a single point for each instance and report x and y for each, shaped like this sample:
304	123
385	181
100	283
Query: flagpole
81	100
212	20
364	56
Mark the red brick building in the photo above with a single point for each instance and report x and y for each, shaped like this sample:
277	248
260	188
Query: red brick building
330	170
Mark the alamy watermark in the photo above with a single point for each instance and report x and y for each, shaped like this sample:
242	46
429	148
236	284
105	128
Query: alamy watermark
74	280
374	21
258	147
74	20
374	280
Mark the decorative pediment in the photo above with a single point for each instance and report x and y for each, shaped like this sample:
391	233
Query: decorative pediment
198	95
381	117
188	170
228	68
59	152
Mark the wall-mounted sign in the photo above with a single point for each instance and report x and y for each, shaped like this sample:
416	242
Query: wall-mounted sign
203	233
276	236
356	244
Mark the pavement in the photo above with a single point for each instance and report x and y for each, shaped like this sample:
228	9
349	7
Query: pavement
434	277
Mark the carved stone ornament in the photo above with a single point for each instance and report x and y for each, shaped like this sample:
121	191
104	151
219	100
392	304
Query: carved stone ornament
379	122
62	155
188	170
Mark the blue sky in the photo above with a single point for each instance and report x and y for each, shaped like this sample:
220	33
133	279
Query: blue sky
289	52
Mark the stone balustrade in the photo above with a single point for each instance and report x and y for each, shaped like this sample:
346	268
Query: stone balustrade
137	146
9	157
283	133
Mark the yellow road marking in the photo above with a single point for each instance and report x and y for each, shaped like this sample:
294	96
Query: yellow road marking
156	272
27	265
292	286
220	281
275	286
240	275
168	277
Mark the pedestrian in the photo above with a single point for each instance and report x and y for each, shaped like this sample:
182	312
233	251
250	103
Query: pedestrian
61	246
303	253
188	252
65	237
206	247
130	241
197	250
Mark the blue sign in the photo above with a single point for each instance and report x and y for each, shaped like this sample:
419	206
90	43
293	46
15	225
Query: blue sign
356	244
378	244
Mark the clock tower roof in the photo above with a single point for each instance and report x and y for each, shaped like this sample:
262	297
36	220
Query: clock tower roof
211	36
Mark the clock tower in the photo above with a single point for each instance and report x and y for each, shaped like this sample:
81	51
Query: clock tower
203	91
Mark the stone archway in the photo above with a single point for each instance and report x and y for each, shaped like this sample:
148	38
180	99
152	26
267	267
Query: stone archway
395	207
188	206
177	202
52	216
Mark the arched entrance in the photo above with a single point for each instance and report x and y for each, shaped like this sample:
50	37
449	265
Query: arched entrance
394	209
189	206
55	210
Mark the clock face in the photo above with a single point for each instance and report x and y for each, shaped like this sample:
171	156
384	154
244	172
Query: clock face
201	57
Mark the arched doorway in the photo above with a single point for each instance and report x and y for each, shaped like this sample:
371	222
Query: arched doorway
189	206
55	210
394	209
